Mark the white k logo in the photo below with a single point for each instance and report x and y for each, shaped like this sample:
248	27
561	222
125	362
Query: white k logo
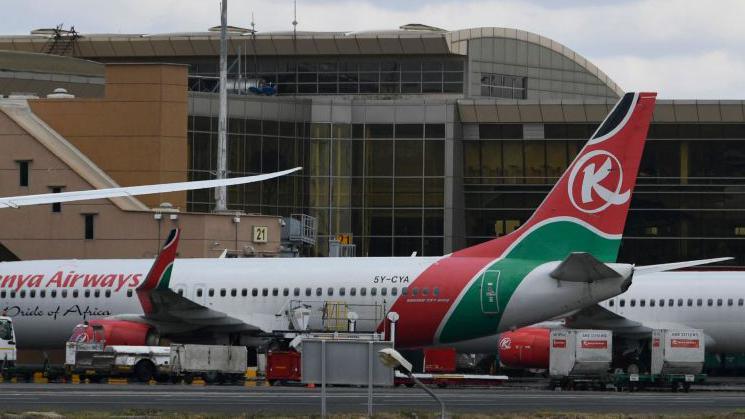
591	181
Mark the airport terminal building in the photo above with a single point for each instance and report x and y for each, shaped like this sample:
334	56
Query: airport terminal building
419	139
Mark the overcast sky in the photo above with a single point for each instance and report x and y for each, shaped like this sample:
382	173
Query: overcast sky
684	49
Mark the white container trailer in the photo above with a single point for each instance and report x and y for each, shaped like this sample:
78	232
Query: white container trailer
580	352
679	351
209	360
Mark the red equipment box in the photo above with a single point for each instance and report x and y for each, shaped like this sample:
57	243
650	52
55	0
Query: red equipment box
439	360
283	366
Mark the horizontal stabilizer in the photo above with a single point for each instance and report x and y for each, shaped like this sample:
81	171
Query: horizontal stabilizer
50	198
641	270
583	267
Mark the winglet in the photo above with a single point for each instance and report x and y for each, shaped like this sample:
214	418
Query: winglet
582	267
159	275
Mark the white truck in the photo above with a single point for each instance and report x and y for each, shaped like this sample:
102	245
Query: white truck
214	363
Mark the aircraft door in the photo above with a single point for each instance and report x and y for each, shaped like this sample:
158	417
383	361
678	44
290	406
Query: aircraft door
490	292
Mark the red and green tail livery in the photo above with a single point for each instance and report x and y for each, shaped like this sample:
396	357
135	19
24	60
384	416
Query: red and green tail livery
498	284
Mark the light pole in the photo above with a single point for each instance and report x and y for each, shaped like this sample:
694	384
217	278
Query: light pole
392	358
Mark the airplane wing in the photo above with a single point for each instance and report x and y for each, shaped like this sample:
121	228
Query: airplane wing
50	198
170	311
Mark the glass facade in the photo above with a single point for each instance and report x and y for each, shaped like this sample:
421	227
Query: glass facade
254	146
336	75
689	202
381	182
499	85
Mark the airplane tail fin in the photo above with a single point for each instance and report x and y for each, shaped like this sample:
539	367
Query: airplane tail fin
159	275
586	210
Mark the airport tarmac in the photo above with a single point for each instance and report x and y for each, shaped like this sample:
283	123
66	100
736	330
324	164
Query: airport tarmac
299	400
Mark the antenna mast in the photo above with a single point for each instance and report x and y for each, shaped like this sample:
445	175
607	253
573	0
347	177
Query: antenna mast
222	121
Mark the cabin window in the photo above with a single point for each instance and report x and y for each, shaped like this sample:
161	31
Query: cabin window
43	294
740	302
352	292
632	303
342	291
53	293
363	291
622	303
255	292
97	293
244	292
330	292
384	291
296	292
651	302
75	293
690	302
730	302
436	291
394	291
286	292
199	292
662	302
87	293
710	302
211	292
611	303
265	292
699	302
12	294
223	292
2	294
319	292
680	302
308	292
64	293
108	293
32	294
719	302
22	294
671	302
425	291
404	290
642	302
233	292
275	292
414	292
373	291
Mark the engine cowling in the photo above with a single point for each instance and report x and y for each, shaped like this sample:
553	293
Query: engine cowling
525	348
121	332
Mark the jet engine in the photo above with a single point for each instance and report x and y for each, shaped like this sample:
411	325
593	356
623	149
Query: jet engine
117	332
527	347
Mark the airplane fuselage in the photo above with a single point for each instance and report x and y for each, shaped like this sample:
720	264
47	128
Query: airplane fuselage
48	298
710	300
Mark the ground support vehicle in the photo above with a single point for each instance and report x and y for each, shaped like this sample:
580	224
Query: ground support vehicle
213	363
633	382
580	359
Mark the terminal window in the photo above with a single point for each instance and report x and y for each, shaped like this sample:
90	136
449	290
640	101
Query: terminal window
503	86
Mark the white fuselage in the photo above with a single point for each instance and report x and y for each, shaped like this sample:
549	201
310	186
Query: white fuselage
710	300
53	296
